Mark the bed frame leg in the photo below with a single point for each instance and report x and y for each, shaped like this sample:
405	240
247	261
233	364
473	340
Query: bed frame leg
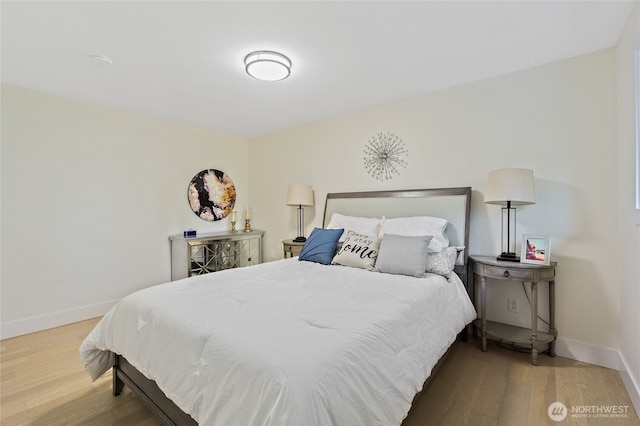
118	384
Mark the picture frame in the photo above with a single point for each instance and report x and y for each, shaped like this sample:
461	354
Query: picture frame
536	249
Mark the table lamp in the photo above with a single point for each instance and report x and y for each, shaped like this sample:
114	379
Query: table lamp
508	188
300	195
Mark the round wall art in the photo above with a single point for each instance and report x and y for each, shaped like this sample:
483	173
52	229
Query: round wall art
383	156
212	195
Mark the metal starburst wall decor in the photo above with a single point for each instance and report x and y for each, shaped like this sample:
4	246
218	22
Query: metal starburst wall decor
383	156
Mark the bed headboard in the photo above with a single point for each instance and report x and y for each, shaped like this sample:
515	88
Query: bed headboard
453	204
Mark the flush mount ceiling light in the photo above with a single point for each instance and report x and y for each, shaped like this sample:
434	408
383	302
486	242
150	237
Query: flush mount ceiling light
101	59
268	66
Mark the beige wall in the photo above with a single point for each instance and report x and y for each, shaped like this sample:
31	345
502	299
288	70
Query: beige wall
558	119
628	218
89	197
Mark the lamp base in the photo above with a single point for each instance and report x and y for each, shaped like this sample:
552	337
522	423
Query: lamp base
299	240
508	257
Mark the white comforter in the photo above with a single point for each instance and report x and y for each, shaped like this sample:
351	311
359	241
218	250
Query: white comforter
286	342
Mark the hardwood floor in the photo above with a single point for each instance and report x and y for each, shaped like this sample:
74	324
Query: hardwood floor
44	383
501	387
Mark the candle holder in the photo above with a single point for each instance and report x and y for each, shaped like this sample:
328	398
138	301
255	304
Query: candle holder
247	225
233	220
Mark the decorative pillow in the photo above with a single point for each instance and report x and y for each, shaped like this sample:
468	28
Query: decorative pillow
417	226
443	262
320	245
361	225
358	251
403	255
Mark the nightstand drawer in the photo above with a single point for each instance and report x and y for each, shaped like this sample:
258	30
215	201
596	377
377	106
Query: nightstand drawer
508	273
292	248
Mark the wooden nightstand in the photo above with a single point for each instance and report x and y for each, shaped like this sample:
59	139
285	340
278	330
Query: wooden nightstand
292	248
489	267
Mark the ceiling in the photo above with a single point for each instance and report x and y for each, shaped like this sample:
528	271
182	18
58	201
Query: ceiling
183	60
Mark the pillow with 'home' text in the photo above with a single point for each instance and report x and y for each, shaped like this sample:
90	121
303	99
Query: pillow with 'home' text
358	251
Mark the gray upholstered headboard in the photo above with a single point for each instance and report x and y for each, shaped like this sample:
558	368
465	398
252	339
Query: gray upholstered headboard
453	204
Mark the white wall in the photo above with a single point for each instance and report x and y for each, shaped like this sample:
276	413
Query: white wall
558	119
89	198
628	217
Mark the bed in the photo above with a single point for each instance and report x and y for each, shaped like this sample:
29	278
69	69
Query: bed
296	342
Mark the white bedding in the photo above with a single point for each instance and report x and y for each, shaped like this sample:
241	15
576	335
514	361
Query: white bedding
286	342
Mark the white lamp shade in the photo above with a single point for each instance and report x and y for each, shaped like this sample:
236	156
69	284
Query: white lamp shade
515	185
300	195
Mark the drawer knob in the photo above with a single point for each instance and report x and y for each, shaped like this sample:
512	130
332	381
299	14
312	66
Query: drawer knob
506	274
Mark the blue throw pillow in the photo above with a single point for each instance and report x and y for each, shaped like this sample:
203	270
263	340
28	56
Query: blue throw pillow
321	245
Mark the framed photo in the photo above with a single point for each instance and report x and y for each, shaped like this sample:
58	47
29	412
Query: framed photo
535	249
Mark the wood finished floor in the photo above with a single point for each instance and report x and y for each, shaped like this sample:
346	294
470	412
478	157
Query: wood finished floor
43	383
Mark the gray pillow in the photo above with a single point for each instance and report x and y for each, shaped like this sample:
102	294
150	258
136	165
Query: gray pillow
403	255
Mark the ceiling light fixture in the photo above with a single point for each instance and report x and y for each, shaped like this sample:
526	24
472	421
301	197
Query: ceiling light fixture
104	60
268	66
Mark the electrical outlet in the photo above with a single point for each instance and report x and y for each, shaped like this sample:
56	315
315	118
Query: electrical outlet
513	305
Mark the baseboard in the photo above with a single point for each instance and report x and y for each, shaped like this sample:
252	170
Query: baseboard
632	385
55	319
597	355
604	357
